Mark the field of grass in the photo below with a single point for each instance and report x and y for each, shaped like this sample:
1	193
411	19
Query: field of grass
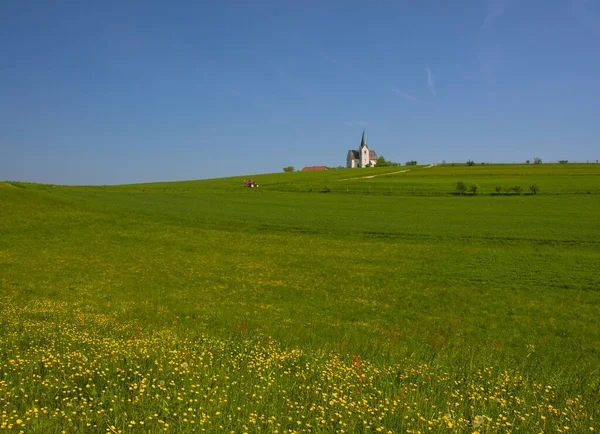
361	300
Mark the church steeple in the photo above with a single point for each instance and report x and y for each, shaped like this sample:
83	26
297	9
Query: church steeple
363	142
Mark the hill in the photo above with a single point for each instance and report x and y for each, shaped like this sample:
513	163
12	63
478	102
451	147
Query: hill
365	299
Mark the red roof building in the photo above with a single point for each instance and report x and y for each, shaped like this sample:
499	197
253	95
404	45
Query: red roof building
307	168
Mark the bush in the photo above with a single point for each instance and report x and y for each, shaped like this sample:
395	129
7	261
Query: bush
498	189
411	163
473	188
563	161
528	161
461	187
288	169
325	190
534	189
470	163
537	160
381	162
517	189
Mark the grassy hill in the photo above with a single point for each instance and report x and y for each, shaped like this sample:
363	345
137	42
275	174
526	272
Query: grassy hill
364	300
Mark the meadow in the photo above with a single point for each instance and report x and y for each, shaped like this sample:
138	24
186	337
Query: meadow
364	300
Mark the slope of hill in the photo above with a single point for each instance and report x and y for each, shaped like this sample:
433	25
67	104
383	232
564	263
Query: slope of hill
383	291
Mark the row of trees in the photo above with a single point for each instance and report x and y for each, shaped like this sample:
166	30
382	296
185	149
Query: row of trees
462	189
382	162
536	160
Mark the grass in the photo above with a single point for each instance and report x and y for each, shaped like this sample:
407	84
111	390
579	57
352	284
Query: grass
387	304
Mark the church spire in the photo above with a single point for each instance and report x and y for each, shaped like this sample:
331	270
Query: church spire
363	142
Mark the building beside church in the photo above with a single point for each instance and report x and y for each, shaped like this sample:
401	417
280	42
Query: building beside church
364	157
309	168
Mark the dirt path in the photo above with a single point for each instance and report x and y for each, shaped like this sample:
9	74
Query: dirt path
374	176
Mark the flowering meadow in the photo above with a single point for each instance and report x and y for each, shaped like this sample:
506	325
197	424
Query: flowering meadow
72	372
204	306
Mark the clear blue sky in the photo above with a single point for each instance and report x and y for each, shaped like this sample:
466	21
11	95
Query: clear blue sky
123	91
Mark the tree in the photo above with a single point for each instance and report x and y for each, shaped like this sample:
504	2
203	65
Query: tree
473	188
288	169
534	189
381	162
527	161
411	163
461	187
470	163
537	160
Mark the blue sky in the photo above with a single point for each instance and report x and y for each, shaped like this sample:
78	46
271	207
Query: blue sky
131	91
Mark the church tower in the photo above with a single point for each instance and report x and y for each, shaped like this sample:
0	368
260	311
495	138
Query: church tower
364	152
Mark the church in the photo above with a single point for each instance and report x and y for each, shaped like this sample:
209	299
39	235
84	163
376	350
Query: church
364	157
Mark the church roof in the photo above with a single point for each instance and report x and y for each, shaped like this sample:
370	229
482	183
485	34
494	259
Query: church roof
355	155
363	141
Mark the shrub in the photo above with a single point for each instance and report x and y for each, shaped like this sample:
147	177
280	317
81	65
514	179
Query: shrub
473	188
288	169
411	163
470	163
534	189
498	189
563	161
325	190
381	162
517	189
537	160
461	187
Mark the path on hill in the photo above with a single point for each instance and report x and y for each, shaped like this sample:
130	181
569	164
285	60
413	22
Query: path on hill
373	176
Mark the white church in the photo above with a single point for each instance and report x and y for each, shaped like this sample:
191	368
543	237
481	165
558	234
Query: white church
364	157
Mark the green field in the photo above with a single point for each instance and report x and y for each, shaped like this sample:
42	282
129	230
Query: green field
363	300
